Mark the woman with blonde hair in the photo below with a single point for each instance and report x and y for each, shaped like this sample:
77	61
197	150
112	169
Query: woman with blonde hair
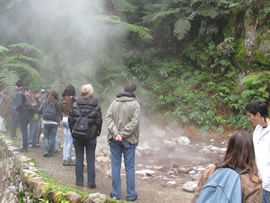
239	155
87	107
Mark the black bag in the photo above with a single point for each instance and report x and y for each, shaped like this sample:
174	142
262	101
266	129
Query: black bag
81	130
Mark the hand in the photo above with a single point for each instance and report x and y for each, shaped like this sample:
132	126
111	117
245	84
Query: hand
118	138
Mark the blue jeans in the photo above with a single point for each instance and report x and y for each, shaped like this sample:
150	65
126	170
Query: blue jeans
90	147
56	143
128	150
50	131
24	119
34	132
266	196
68	142
14	124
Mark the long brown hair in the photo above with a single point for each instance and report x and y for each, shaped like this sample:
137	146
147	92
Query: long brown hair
52	98
240	153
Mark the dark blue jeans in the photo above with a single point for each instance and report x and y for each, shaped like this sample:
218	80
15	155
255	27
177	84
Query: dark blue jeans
128	150
90	147
14	124
25	118
50	131
34	130
266	196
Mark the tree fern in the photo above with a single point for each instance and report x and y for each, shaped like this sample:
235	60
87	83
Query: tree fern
3	49
124	6
207	10
26	47
8	80
181	27
143	32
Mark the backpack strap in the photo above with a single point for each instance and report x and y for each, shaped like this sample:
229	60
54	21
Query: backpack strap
80	112
236	169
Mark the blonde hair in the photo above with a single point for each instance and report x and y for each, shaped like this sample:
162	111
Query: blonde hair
87	90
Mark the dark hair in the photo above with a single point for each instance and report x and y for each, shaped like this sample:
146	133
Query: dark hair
69	91
130	87
240	152
257	106
36	91
52	98
19	83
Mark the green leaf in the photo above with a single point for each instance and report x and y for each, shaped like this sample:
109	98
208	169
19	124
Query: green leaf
124	6
207	10
181	27
3	49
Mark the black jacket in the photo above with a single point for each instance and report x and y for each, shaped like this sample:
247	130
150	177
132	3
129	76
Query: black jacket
89	108
19	95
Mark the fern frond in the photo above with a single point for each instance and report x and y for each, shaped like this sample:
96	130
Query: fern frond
207	10
26	47
30	59
143	32
3	49
181	27
8	80
124	6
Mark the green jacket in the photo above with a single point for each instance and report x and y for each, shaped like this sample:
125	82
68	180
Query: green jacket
123	118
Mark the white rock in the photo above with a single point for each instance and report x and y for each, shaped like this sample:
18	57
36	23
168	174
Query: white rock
190	186
171	182
183	140
145	172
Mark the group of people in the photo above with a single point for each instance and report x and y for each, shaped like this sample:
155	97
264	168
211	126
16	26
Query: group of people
251	156
49	111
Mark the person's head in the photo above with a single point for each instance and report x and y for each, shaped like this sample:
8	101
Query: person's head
69	91
48	88
52	97
130	87
19	84
240	152
87	91
37	94
257	112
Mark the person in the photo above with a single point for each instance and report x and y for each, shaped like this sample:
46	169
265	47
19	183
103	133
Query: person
51	122
4	107
86	106
34	128
25	115
66	103
14	117
239	154
123	125
257	112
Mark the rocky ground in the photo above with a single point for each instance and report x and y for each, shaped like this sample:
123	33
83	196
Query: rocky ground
2	182
167	165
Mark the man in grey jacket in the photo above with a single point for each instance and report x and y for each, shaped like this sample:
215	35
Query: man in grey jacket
123	125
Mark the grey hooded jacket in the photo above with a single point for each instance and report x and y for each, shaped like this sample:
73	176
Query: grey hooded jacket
123	118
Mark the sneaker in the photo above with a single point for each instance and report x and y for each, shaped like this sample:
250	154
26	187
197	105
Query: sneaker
46	154
133	199
68	163
56	151
22	149
36	145
79	185
30	145
92	186
15	138
114	198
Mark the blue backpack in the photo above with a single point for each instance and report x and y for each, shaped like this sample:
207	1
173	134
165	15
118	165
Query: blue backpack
223	186
49	112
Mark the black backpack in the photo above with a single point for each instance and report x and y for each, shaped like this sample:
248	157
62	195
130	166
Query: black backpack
49	112
82	131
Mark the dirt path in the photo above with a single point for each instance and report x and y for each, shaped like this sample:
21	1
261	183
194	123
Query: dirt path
149	188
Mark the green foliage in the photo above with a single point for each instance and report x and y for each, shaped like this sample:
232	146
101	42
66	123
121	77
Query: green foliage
8	80
124	6
181	27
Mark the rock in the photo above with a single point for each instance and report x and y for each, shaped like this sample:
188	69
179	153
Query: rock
103	159
96	198
171	182
52	194
183	141
145	172
190	186
169	143
73	197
